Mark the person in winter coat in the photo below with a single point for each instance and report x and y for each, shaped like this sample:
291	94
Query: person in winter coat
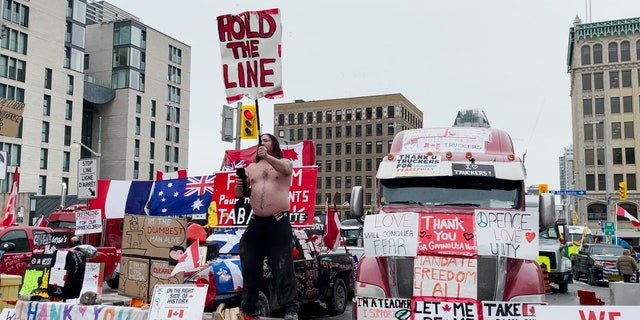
626	265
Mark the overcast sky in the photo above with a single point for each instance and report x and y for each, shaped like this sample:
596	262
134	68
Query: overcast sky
506	57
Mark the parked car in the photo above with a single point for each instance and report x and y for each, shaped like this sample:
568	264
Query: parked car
596	262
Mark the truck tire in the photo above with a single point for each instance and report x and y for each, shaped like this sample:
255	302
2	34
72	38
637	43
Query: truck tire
114	281
338	301
576	274
563	287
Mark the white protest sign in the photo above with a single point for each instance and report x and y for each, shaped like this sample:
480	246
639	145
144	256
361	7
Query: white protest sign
391	234
428	308
88	221
507	234
588	312
177	302
499	310
58	272
383	308
92	280
8	314
445	277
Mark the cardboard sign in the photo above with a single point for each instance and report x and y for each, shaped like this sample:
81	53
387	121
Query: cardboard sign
150	248
88	221
178	302
35	282
92	280
500	310
445	276
302	195
391	234
446	234
10	116
507	234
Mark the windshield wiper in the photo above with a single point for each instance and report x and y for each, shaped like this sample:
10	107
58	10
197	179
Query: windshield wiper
406	202
460	204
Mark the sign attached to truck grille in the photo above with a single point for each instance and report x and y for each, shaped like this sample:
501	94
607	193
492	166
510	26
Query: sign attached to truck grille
473	170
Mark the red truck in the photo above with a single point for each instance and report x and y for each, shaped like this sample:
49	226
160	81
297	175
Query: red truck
108	242
452	174
24	245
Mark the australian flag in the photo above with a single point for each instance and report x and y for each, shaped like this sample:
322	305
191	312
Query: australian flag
184	196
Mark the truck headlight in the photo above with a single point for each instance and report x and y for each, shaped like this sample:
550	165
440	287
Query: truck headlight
566	264
368	290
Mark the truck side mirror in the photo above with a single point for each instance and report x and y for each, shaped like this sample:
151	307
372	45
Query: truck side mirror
356	205
8	246
546	209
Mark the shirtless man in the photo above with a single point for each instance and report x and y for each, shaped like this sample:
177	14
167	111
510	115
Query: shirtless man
269	232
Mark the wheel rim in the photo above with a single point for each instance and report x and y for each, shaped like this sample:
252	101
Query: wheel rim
341	296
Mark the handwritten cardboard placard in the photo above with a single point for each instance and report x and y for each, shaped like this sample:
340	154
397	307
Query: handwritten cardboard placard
383	308
446	234
27	310
391	234
588	312
445	277
88	221
499	310
427	308
507	234
177	302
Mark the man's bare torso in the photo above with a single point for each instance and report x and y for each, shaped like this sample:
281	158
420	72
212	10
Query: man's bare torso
269	189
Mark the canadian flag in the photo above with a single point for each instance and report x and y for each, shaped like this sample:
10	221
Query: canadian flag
189	260
182	173
301	154
623	213
9	215
332	227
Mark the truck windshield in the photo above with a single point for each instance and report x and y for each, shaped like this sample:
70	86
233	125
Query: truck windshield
451	191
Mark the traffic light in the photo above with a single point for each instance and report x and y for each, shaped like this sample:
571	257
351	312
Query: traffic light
543	188
227	123
622	190
249	124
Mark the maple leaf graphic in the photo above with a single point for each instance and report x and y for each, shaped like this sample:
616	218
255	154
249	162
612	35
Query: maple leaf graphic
532	310
446	308
290	154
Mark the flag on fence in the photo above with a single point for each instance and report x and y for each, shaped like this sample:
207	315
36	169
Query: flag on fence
117	197
190	195
332	229
623	213
189	260
9	215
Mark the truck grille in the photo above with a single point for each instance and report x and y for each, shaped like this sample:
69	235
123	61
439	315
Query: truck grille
552	259
491	277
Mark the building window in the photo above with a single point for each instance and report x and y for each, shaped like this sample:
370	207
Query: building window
626	78
369	182
167	154
68	110
167	133
338	186
629	155
329	135
378	146
14	40
369	130
349	115
597	54
586	81
599	106
378	129
368	164
300	135
589	157
309	133
66	161
347	165
291	118
615	104
152	129
152	150
338	131
338	115
67	136
602	183
368	147
46	105
42	185
44	157
598	82
347	131
628	130
136	169
328	116
318	150
12	68
358	113
347	148
175	55
327	182
587	108
358	130
173	94
319	116
625	51
137	126
136	148
70	84
358	147
48	78
328	149
613	52
176	135
174	74
45	131
338	166
585	55
391	128
627	104
138	104
614	79
617	155
300	118
631	181
379	112
328	166
338	148
616	130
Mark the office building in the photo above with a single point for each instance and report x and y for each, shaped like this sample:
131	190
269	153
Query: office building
604	66
92	73
351	135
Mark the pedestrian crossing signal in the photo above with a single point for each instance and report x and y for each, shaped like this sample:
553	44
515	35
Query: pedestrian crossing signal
249	124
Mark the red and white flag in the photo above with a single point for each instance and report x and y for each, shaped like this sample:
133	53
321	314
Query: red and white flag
189	260
182	173
300	154
623	213
332	228
9	216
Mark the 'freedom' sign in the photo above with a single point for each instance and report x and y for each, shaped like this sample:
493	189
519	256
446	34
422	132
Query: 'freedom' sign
250	47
